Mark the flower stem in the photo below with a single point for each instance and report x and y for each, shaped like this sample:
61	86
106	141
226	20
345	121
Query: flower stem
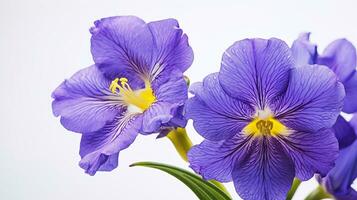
183	143
317	194
293	189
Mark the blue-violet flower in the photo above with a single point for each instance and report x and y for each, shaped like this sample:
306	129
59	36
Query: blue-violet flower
135	86
264	120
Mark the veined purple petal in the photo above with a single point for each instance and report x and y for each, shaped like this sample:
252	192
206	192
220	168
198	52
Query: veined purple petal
173	90
143	51
265	172
311	152
162	114
216	159
303	51
84	101
100	149
344	132
122	44
339	179
216	115
313	99
171	49
256	70
340	56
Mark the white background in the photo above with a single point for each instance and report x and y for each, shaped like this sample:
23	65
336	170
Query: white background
43	42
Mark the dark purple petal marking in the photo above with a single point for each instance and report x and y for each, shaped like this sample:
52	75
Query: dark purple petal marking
313	99
256	70
84	101
264	172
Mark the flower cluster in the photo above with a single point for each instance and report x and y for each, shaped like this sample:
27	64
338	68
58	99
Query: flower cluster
271	114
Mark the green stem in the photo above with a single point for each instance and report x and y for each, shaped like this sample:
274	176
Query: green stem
317	194
183	143
293	189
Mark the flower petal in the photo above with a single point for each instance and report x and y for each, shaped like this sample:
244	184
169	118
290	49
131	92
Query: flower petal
215	159
84	101
160	115
340	56
100	149
311	152
313	99
265	172
256	70
171	51
343	132
216	115
339	180
121	44
174	90
303	51
142	51
350	103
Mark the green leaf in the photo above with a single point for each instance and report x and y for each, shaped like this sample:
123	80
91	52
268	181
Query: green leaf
204	190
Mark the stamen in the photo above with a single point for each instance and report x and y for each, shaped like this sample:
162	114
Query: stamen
114	86
265	126
141	98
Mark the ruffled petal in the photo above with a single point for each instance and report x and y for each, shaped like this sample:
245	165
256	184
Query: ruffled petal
256	71
313	99
84	101
216	115
100	149
265	172
311	152
303	51
216	159
128	45
161	115
340	56
171	49
122	44
344	132
339	180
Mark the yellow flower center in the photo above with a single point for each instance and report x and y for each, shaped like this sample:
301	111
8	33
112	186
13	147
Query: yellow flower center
141	99
264	124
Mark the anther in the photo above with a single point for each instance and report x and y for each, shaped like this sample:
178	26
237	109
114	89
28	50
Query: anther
265	126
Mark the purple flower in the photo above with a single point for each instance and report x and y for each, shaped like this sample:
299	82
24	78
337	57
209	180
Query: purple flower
338	181
264	120
136	86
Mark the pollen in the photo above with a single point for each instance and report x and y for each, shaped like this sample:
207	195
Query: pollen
264	124
141	98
